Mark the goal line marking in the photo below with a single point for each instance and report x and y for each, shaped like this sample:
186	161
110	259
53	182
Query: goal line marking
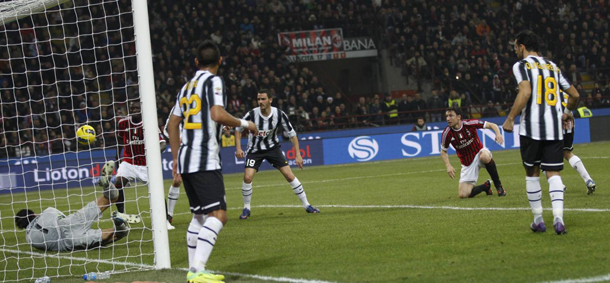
601	278
147	266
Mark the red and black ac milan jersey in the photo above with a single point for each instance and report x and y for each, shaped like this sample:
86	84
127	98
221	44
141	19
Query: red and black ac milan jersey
465	140
132	135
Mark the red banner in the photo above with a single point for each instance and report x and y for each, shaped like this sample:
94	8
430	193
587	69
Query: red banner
312	41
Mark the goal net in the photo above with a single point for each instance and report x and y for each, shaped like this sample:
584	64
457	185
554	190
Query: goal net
64	64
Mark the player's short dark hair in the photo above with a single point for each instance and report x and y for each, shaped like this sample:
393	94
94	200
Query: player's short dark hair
24	217
457	110
529	39
208	54
268	92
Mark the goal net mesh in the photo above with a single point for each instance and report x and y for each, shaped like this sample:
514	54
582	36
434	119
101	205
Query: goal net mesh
64	64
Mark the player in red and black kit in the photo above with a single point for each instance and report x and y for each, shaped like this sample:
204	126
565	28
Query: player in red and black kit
133	165
463	136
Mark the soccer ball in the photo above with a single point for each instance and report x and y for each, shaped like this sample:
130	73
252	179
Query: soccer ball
85	135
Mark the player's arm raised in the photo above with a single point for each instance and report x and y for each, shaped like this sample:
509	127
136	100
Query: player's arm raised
220	115
499	138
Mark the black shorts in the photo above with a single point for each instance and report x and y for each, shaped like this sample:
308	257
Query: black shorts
273	156
547	154
568	141
205	190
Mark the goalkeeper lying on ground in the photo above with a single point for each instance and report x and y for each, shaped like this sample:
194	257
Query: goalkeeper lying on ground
52	230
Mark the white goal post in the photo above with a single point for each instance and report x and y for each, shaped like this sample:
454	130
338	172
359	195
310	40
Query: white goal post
63	64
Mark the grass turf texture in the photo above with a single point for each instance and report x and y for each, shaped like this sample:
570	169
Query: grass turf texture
370	243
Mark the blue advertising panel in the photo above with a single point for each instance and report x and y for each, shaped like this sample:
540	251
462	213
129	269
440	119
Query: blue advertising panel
417	144
72	170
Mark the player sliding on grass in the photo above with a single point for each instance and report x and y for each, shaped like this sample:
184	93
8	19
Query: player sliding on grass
52	230
266	146
462	134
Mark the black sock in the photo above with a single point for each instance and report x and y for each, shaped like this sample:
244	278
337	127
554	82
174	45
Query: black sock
493	173
120	202
477	190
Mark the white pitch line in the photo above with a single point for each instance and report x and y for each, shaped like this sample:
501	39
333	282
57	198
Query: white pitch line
147	266
602	278
429	207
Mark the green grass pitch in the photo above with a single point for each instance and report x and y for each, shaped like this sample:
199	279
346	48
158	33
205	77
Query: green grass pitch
392	221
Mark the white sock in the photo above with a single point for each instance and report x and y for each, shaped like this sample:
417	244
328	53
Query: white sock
172	198
246	193
205	243
556	192
297	188
192	233
534	195
577	164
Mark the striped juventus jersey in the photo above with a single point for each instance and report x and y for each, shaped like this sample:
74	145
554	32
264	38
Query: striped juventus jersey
200	135
564	104
267	129
465	140
541	117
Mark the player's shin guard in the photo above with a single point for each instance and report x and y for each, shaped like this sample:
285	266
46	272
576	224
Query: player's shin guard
246	193
577	164
534	195
205	243
172	198
120	202
556	192
493	173
298	190
192	233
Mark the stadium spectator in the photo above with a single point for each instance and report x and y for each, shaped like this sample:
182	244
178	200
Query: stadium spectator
390	108
420	125
490	110
435	104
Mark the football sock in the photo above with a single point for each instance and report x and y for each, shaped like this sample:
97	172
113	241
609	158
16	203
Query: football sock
172	198
205	243
534	195
477	190
192	233
120	202
297	188
577	164
556	192
493	173
246	193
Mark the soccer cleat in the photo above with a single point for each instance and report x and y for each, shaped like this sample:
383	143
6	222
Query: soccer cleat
311	209
245	214
129	218
204	277
487	184
106	174
170	219
560	229
501	192
121	229
170	226
538	228
590	187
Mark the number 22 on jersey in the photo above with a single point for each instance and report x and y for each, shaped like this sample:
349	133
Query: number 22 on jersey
550	91
189	110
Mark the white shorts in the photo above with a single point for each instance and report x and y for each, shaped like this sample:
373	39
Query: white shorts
470	173
133	172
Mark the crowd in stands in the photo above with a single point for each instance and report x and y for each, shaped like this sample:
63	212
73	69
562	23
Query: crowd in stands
52	81
466	46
